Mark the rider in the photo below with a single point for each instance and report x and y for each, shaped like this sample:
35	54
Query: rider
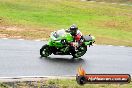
75	32
77	35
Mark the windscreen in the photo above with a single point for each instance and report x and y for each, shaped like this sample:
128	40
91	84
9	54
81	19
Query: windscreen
59	33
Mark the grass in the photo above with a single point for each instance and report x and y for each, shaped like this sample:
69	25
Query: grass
116	1
59	83
110	24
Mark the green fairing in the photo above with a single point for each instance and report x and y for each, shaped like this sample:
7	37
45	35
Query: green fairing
56	37
90	41
87	43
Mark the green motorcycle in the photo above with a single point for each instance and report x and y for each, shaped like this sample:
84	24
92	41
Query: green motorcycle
59	44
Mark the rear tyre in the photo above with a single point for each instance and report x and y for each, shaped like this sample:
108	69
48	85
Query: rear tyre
45	51
80	52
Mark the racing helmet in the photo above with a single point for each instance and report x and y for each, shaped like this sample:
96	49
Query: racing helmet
73	29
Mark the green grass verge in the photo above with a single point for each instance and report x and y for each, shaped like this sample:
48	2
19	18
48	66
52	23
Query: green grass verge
110	24
59	83
115	1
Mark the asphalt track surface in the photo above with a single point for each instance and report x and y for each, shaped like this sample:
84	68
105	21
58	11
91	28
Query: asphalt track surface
21	58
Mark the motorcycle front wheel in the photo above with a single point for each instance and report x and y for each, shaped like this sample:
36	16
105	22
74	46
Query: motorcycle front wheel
45	51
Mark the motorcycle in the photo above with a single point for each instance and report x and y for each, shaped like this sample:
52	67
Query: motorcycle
60	44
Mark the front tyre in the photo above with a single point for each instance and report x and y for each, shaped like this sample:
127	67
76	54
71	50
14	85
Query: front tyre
80	52
45	51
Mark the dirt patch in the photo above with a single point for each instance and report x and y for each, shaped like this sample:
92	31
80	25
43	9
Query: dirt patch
12	28
8	36
110	41
111	24
24	32
6	25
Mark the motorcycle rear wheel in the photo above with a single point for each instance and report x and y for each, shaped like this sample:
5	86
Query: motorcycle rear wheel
81	51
